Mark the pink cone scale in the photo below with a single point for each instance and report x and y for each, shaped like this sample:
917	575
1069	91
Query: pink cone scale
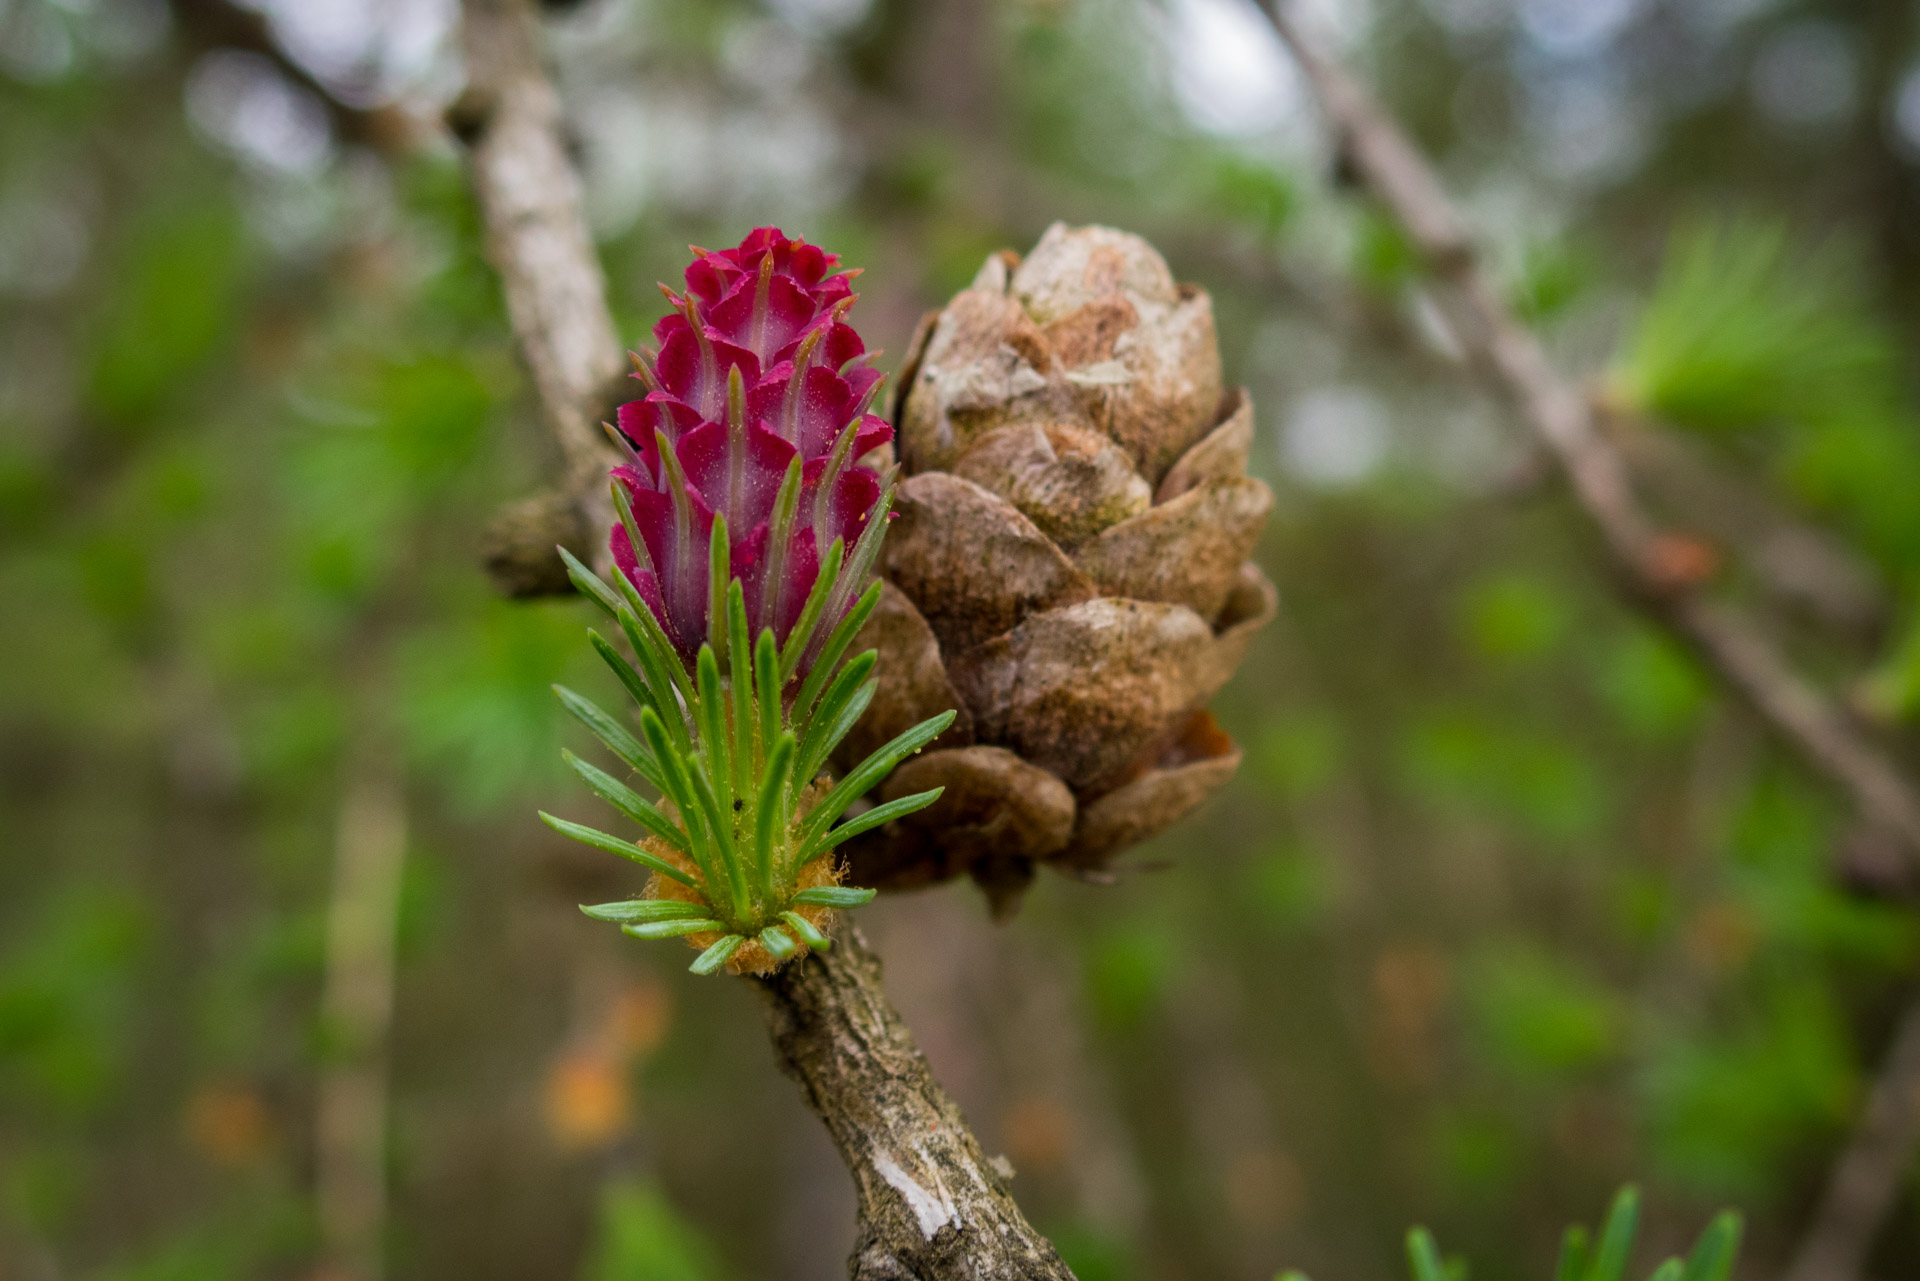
744	557
755	374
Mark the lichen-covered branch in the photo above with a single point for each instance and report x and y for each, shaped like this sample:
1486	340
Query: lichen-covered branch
933	1207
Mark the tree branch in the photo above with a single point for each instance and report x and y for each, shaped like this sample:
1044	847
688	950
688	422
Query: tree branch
932	1207
350	1158
220	24
1728	642
1863	1185
1866	1180
537	237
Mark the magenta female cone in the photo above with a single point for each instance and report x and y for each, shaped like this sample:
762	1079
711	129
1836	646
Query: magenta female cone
757	374
748	535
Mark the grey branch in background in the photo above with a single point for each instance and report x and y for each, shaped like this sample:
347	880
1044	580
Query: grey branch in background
1866	1181
1864	1184
1733	648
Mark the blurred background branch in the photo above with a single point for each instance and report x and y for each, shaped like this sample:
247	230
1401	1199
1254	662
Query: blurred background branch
1861	1191
1657	568
222	24
1661	573
356	1010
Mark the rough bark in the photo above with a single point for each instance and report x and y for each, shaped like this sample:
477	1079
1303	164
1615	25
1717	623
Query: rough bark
933	1206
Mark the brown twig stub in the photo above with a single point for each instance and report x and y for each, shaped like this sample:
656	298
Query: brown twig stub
933	1207
1861	1192
538	240
1731	646
517	545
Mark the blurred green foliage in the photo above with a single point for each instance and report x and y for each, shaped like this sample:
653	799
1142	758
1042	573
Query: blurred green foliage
641	1238
1605	1257
1508	904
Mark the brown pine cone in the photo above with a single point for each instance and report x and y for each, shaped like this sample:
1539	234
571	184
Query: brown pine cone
1069	567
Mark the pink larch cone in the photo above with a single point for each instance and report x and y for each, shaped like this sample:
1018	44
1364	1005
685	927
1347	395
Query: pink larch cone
756	368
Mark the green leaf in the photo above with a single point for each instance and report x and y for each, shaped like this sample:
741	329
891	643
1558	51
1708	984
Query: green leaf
834	896
803	628
590	584
635	683
837	642
786	505
635	911
720	823
680	790
614	845
1423	1257
814	744
649	685
623	507
839	724
661	661
766	680
717	955
775	940
1714	1254
711	714
670	929
866	822
619	740
719	573
1616	1238
629	802
740	662
772	811
1573	1255
806	931
866	549
1671	1270
673	770
1744	329
871	771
